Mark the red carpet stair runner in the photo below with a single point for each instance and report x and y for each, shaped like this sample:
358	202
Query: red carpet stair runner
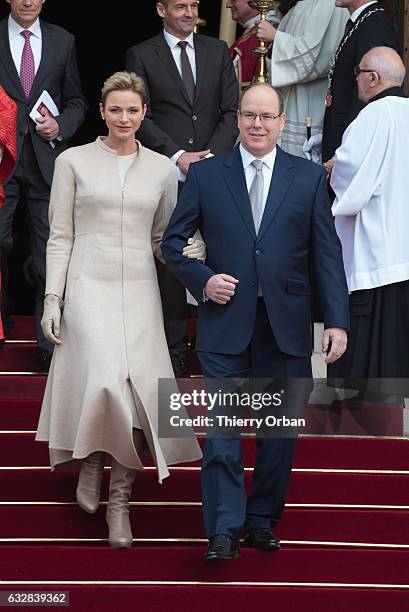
345	531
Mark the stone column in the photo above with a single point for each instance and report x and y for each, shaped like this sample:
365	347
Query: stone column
227	25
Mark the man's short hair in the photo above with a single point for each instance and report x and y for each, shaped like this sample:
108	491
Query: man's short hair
277	91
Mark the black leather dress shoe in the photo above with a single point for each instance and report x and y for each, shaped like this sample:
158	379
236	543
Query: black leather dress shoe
221	547
263	539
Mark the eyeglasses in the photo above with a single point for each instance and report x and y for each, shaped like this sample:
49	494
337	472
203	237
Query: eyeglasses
264	117
358	71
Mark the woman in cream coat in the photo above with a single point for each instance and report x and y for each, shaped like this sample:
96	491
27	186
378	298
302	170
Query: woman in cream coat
110	203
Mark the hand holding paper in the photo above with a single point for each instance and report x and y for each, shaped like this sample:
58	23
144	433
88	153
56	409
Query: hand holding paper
43	113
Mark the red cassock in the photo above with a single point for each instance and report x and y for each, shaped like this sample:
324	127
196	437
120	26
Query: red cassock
8	117
243	48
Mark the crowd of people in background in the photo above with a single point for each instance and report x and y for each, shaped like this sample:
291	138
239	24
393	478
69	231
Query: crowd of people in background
254	169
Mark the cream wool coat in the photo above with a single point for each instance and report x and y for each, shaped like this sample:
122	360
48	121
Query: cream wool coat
103	379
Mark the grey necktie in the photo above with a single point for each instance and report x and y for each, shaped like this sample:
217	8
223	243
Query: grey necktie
187	74
256	193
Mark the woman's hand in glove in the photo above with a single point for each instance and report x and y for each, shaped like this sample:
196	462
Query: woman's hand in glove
195	249
50	323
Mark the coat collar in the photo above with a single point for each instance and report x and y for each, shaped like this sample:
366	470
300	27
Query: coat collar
100	143
283	175
7	60
392	91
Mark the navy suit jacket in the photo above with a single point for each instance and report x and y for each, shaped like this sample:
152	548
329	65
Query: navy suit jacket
297	228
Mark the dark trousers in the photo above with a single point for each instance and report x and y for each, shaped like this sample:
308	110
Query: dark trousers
27	187
175	314
226	508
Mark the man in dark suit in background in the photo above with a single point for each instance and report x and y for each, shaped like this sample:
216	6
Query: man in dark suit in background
37	56
192	104
264	215
367	27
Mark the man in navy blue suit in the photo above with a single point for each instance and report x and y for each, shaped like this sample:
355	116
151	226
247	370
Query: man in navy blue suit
265	217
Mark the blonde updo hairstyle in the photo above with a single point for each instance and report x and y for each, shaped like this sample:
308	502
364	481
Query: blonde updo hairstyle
123	81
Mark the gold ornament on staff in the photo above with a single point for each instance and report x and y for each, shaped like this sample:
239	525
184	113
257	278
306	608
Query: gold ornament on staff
200	23
263	7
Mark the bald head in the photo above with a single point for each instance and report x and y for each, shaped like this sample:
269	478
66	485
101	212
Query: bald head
380	69
387	63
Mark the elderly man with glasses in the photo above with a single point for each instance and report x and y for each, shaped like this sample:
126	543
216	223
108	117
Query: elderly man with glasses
371	183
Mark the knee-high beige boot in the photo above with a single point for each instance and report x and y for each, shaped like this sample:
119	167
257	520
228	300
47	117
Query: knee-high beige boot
89	482
120	489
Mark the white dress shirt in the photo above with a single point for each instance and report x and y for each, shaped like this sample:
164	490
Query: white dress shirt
17	42
173	43
370	179
250	171
358	11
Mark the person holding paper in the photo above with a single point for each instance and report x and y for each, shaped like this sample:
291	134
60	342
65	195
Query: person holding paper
36	59
8	112
110	203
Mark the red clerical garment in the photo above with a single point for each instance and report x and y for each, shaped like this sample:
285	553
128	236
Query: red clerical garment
248	61
8	116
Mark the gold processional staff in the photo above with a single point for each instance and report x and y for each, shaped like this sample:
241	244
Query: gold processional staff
263	7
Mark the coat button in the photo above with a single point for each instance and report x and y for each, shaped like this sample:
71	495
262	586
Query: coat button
258	252
253	283
190	141
194	118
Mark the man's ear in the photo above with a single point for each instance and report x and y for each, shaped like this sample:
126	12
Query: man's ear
283	118
160	9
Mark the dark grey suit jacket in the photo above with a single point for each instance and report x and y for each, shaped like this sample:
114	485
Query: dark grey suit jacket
58	74
172	122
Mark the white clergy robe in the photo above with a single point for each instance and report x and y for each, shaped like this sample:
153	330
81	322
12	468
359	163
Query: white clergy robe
302	50
371	181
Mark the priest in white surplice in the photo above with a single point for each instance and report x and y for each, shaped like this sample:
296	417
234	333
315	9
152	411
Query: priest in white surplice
370	179
303	46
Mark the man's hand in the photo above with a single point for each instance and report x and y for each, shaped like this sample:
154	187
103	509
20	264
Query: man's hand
47	128
50	323
195	249
266	32
328	165
187	158
337	338
220	288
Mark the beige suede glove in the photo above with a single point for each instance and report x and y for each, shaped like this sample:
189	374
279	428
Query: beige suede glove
195	249
50	323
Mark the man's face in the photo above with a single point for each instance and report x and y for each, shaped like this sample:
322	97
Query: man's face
258	136
240	10
367	81
25	12
179	16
